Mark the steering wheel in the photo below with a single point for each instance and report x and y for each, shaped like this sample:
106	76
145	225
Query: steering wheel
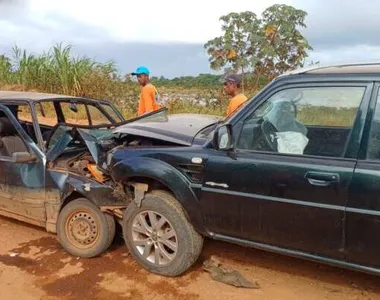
269	132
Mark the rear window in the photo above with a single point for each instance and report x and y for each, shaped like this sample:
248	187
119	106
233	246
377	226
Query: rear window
111	112
97	117
74	114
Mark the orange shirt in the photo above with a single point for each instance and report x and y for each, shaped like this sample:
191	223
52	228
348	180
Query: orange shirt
148	99
235	102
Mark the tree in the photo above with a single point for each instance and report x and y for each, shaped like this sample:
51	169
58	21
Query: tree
283	47
233	49
268	46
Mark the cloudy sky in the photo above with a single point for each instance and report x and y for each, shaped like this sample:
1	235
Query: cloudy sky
168	35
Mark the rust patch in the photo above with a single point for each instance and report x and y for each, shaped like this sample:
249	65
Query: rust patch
93	277
117	211
21	218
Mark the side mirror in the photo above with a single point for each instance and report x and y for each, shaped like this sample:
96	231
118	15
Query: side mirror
23	157
223	138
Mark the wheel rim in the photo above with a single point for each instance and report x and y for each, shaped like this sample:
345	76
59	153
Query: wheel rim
82	229
154	238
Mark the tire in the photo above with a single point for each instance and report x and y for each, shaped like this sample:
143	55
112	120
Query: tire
188	242
82	214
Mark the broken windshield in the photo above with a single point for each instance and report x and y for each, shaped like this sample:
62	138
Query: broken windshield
60	141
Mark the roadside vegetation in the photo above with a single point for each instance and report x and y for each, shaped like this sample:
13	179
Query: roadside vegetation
259	47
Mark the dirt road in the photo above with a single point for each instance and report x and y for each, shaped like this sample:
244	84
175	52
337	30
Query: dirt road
34	266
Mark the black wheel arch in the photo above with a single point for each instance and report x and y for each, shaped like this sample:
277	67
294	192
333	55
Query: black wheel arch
160	175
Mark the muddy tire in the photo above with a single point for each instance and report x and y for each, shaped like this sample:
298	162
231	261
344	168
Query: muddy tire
159	236
83	230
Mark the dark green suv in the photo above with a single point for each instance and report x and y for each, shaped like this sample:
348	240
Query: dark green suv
296	170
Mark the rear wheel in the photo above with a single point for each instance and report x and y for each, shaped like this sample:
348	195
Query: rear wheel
83	230
159	236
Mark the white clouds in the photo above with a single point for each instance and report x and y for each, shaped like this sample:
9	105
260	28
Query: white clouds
339	30
362	53
150	20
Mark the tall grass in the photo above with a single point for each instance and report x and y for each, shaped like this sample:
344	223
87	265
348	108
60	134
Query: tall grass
59	71
326	116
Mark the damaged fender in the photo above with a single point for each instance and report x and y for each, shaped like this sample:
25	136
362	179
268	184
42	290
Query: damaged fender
100	194
165	174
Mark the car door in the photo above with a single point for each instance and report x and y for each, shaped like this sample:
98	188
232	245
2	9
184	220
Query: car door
285	182
363	207
22	172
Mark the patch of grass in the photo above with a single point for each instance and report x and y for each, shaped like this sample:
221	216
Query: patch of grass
327	116
57	71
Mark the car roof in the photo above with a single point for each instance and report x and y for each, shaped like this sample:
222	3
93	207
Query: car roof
31	96
348	68
16	96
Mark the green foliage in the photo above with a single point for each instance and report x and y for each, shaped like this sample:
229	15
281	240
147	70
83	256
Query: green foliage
267	46
5	69
260	48
57	71
284	47
200	81
327	116
233	49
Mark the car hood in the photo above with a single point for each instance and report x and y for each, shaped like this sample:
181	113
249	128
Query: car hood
176	128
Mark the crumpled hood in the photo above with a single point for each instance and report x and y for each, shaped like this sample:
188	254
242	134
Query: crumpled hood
176	128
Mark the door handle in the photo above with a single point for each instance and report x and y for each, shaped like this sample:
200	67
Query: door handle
321	178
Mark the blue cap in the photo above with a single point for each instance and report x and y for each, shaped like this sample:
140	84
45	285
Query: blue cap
141	70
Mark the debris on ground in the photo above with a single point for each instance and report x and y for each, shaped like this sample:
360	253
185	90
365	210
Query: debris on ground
227	275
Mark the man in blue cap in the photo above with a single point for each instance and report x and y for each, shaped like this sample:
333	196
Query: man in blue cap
149	95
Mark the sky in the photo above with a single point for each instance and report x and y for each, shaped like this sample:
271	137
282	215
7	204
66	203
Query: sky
168	36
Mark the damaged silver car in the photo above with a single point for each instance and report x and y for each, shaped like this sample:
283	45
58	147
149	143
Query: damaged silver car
55	153
50	179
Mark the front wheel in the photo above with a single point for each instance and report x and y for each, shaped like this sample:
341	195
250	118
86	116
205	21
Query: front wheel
159	236
83	230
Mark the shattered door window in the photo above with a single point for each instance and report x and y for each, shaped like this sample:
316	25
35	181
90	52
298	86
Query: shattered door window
23	113
10	140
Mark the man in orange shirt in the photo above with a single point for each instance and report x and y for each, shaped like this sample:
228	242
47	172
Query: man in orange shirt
149	95
231	85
